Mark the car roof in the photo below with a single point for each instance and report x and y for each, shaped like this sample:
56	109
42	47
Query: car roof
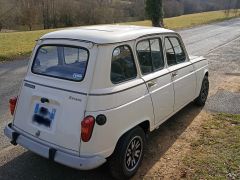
105	34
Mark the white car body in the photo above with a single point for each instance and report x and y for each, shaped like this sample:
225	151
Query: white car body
145	100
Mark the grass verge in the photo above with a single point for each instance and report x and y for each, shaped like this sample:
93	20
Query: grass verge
216	154
189	20
18	44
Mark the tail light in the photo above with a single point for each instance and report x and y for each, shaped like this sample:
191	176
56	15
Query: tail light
87	128
12	104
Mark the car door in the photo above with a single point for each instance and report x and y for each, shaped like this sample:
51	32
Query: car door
156	76
182	72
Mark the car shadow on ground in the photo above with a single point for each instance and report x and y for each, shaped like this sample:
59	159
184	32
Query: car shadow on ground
31	166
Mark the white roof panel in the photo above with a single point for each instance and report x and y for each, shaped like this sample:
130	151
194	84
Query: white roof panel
105	34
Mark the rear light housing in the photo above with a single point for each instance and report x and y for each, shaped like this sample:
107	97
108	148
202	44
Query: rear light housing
87	126
12	104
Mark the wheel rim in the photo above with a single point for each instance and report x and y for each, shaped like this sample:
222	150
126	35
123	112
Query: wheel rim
133	153
204	93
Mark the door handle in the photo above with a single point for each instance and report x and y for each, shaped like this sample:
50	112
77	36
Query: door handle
151	84
174	74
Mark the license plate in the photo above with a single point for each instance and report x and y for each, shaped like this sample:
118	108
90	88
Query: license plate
43	115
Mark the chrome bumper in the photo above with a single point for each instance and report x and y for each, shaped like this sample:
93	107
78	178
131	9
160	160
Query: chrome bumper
81	163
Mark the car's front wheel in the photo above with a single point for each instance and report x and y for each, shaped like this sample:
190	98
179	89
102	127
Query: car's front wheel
128	154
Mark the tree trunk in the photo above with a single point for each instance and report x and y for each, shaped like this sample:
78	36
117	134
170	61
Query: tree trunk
156	23
30	27
228	7
1	26
161	13
154	9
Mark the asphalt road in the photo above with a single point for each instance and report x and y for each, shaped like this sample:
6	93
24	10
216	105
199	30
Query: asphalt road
201	40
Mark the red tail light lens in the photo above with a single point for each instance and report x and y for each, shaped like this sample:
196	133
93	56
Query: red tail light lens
87	128
12	104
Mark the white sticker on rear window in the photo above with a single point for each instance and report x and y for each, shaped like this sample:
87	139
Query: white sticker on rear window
77	76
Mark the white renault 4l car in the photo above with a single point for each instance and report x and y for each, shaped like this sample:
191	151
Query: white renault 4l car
92	94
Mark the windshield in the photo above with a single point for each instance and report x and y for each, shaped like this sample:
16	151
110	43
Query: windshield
65	62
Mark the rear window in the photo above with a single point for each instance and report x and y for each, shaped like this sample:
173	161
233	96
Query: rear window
64	62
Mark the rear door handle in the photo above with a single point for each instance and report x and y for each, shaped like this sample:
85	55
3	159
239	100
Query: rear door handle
151	84
174	74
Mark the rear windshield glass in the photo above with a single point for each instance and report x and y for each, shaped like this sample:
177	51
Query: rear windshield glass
65	62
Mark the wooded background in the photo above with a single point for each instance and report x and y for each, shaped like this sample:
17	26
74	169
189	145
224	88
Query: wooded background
45	14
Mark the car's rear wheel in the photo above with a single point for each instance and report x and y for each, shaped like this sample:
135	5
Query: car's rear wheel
202	98
128	154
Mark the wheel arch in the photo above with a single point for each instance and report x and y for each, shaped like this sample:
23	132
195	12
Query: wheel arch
144	125
206	73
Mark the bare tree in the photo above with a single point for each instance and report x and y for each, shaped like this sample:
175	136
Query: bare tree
49	15
5	14
61	13
228	5
173	8
28	12
237	7
139	7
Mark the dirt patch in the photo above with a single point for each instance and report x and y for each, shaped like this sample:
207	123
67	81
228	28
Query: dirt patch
226	82
170	144
231	83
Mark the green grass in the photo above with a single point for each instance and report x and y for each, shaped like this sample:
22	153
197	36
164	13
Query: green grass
189	20
216	154
18	44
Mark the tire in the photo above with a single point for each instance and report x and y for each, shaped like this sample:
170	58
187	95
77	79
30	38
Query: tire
129	148
202	98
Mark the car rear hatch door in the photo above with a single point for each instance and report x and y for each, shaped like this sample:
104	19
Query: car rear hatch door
53	97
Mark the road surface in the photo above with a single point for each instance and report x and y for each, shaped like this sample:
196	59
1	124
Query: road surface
201	40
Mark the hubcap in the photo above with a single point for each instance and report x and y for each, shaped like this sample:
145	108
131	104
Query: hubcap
133	153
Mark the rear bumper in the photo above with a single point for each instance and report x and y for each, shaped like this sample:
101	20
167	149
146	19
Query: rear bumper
81	163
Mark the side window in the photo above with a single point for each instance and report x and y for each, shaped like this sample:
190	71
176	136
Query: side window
144	56
157	55
174	51
179	52
123	67
171	59
150	55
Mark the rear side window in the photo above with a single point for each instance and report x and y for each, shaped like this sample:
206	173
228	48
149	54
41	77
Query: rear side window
174	51
150	55
64	62
123	67
157	55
